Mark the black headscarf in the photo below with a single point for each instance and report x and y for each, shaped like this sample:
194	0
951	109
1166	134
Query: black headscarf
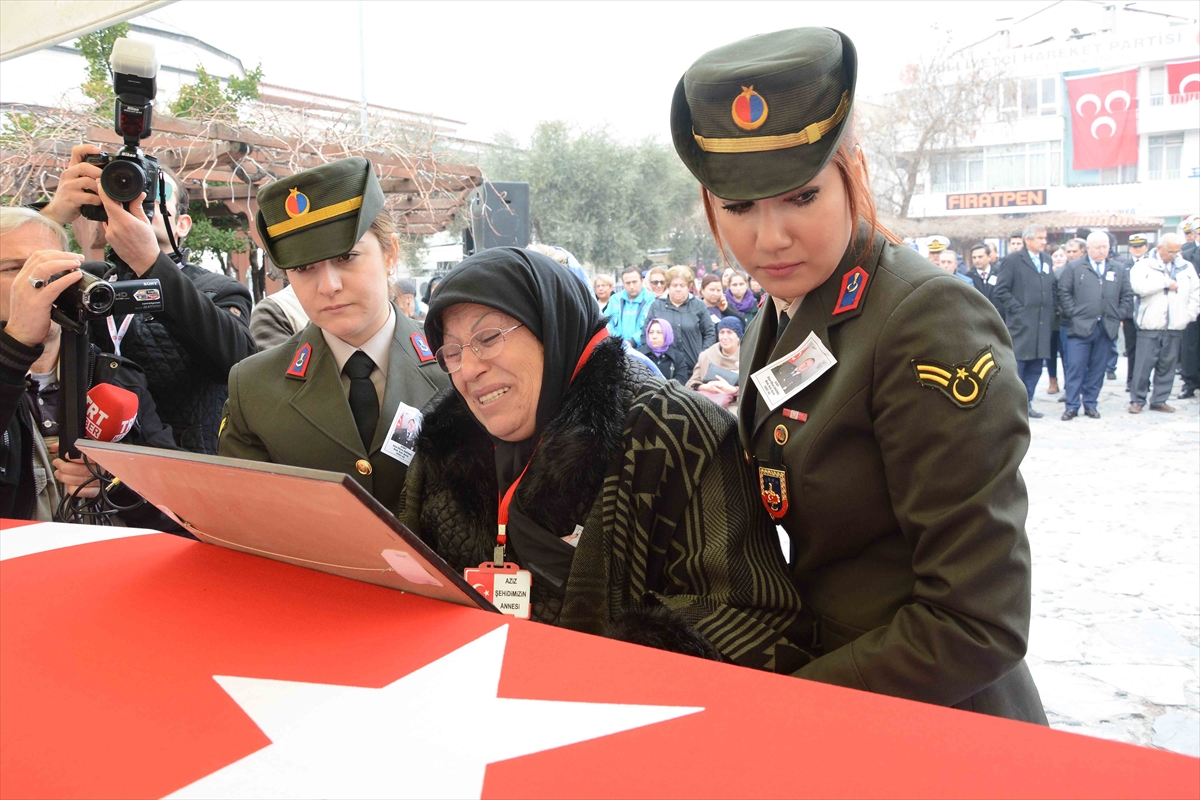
548	300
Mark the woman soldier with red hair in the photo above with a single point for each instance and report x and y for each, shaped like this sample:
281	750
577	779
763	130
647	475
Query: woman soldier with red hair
895	472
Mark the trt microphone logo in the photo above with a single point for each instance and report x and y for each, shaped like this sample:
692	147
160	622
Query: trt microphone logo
111	412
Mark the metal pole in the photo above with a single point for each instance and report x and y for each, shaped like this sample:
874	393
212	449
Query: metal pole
362	68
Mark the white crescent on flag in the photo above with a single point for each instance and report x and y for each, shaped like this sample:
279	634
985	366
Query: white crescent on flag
1119	94
1085	100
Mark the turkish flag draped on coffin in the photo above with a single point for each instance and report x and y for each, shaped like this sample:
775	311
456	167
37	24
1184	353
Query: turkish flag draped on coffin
1104	119
1183	81
153	665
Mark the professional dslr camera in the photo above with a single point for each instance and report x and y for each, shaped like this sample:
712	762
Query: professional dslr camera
129	172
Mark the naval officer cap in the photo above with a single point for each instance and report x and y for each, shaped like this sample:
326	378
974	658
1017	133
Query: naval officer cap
319	213
938	243
764	115
1137	240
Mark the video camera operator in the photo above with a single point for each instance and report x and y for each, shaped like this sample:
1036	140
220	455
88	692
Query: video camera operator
32	252
187	350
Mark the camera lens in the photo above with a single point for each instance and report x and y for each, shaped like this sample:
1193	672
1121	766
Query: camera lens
99	297
123	180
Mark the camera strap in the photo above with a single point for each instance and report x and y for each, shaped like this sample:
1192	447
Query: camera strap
162	206
117	334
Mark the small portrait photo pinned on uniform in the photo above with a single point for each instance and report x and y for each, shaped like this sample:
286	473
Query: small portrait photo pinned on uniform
786	376
401	443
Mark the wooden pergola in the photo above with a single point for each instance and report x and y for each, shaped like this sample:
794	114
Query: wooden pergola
225	166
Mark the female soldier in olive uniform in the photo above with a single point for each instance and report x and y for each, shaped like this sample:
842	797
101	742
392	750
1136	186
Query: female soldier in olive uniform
327	397
895	473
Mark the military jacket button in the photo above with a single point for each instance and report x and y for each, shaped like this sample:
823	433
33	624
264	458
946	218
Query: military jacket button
363	466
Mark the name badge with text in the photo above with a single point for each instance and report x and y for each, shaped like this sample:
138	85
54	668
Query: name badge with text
506	587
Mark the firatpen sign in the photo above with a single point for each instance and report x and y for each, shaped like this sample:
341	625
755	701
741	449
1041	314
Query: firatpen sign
1007	199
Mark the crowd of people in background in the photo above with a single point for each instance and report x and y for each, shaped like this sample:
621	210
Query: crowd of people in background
1075	300
1069	302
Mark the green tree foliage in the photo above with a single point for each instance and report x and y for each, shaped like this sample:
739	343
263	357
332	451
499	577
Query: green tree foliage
96	47
206	99
216	235
605	201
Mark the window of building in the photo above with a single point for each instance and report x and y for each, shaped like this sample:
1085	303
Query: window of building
1158	86
1126	173
1029	97
1011	166
1165	155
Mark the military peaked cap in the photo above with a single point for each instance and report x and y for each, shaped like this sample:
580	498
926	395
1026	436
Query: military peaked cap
764	115
937	243
1137	240
319	213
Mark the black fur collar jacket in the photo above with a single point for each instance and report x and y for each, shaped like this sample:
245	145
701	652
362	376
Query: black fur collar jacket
675	549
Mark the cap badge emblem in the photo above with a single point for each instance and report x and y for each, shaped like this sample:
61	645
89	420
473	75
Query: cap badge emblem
749	109
297	204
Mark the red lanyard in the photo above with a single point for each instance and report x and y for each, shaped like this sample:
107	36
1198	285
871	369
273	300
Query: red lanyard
506	499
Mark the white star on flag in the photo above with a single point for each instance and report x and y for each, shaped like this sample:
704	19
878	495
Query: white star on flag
431	733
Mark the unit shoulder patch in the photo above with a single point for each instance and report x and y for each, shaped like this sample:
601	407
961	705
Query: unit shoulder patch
424	353
965	383
299	365
854	284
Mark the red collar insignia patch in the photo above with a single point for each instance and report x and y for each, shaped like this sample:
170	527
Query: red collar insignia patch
300	362
854	283
424	354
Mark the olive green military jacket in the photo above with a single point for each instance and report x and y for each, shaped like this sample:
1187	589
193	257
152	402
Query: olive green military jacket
905	505
287	406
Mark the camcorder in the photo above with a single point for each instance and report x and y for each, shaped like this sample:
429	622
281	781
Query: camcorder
95	298
127	173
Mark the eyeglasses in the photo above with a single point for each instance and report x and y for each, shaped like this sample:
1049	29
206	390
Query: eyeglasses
487	343
658	283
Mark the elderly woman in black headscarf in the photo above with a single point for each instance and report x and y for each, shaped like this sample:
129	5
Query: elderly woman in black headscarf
626	497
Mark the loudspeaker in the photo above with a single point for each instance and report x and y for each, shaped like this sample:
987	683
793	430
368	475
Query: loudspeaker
499	217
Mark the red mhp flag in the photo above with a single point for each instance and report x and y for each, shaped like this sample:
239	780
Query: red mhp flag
147	666
1183	81
1104	119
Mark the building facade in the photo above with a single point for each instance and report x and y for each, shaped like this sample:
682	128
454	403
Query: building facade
1036	153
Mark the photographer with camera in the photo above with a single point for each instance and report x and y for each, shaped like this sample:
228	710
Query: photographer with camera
187	349
35	274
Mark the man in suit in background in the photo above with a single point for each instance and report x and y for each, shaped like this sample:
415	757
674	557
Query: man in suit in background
1139	244
1025	292
1094	295
1189	350
982	274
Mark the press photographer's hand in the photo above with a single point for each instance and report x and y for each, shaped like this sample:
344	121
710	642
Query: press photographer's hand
29	315
130	233
76	187
72	474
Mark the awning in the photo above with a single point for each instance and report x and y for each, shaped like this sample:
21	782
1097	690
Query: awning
975	228
29	25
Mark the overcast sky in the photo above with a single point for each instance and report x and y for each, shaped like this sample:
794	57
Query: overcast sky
507	65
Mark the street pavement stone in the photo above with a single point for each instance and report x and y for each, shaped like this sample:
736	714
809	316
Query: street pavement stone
1114	527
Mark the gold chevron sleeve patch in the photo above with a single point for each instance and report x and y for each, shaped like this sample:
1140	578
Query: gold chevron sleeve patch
964	383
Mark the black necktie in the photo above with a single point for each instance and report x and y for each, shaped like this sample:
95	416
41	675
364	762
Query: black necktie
364	402
784	319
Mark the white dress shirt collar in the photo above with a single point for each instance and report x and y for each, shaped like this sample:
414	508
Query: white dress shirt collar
377	347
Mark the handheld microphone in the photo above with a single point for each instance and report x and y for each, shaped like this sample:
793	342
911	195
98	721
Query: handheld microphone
111	412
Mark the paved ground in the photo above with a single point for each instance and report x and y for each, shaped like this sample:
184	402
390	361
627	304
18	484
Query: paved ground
1114	523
